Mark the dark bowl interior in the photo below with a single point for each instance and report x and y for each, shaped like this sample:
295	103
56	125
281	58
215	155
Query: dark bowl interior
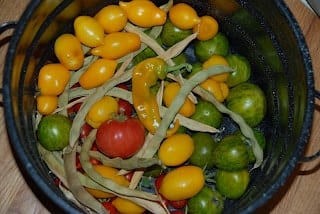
263	31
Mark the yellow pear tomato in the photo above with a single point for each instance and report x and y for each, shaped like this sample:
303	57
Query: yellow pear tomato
89	31
112	18
68	50
53	79
183	16
98	73
144	13
117	45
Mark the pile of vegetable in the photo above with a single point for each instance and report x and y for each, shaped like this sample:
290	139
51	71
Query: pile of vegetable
129	122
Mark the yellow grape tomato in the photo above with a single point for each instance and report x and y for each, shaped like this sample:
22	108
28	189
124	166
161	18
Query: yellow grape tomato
176	149
182	183
125	206
98	73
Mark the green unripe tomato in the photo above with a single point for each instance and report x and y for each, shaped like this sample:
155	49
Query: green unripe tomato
53	132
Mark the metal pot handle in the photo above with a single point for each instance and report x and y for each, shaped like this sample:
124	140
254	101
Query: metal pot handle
317	154
4	27
7	25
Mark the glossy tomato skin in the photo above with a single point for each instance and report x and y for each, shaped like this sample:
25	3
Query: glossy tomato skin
120	138
204	145
231	154
232	184
208	200
182	183
53	132
248	100
124	107
85	131
179	204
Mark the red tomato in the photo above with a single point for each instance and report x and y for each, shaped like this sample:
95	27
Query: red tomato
109	207
129	175
125	108
57	181
123	86
120	138
84	132
78	164
92	160
72	111
158	181
178	204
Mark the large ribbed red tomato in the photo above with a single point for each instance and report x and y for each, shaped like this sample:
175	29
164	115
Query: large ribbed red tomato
120	138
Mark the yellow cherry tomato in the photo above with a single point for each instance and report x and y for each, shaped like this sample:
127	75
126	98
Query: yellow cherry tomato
182	183
176	149
47	104
89	31
183	16
207	28
219	90
125	206
217	60
68	50
98	73
144	13
117	45
111	173
170	92
53	79
102	110
112	18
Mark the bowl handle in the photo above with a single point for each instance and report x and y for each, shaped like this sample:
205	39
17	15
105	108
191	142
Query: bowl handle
317	154
4	27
